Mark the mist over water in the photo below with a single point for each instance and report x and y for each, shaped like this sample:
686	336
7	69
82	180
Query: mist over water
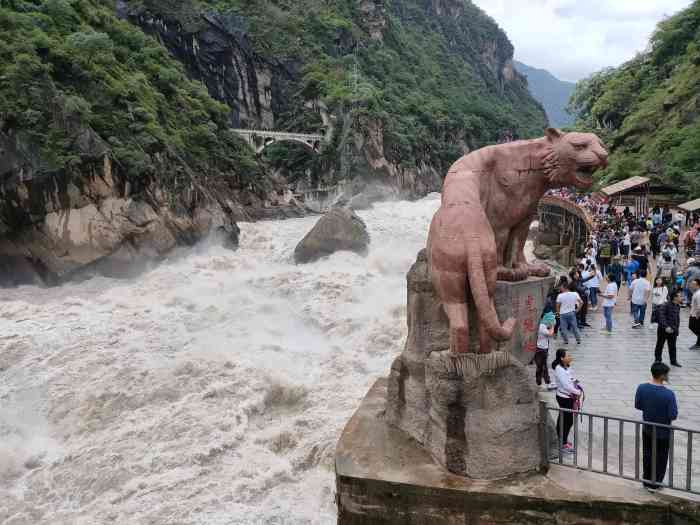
211	390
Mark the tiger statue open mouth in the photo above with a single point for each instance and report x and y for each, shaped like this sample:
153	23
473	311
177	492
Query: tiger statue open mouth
478	235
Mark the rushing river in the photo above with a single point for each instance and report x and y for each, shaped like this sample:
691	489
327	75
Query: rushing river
210	390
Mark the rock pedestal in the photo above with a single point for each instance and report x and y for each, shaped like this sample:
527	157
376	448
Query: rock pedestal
383	477
476	414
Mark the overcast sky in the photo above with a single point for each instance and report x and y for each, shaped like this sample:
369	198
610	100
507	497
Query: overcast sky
574	38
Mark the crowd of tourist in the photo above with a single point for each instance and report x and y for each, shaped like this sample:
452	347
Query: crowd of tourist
658	264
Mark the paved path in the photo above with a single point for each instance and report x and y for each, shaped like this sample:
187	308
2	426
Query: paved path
611	367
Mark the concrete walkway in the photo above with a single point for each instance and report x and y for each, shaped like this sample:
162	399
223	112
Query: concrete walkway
611	366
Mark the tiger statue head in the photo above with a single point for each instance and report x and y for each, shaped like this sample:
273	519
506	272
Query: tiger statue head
571	159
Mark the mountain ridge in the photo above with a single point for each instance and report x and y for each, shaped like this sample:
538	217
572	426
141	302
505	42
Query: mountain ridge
550	91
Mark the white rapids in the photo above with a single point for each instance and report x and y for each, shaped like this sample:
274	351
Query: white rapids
210	390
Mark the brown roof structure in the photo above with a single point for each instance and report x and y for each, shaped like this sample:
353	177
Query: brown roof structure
625	186
690	205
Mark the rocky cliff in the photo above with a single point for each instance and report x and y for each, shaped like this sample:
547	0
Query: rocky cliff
109	156
402	89
115	118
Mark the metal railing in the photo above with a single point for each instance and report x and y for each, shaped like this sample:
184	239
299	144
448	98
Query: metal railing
602	442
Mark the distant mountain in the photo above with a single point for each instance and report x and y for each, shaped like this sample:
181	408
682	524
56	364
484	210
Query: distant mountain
551	92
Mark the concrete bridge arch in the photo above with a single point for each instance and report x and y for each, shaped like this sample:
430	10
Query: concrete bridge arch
260	139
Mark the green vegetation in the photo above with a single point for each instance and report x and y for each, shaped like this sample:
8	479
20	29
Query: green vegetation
649	108
71	69
432	82
67	66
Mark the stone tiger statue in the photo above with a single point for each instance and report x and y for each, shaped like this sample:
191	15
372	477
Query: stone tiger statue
478	235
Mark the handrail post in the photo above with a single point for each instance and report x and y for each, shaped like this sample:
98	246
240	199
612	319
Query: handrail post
544	441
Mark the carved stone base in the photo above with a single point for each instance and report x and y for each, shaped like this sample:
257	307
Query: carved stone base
476	414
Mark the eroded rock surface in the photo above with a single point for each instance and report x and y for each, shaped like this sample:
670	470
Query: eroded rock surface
476	414
339	229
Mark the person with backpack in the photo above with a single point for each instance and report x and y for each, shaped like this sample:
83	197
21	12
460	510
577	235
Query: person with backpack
658	405
667	271
669	325
544	337
567	394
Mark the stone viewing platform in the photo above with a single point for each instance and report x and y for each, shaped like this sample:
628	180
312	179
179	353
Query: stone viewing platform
383	476
458	432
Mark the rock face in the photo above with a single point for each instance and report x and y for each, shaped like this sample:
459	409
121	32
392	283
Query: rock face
339	229
477	415
221	47
52	227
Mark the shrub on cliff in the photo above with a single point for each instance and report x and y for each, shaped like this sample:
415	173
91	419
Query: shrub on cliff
71	65
649	108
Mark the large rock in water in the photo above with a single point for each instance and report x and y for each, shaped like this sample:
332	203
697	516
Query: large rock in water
339	229
477	414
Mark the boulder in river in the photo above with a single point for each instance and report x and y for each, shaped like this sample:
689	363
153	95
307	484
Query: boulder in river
339	229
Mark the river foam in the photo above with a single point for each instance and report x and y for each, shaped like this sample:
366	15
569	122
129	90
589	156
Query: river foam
211	390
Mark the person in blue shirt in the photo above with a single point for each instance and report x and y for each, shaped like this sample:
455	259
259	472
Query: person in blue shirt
658	405
631	266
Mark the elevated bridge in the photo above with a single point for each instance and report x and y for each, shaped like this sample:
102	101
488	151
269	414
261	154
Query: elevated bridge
260	139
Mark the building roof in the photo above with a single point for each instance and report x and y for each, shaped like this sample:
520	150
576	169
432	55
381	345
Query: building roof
690	205
625	185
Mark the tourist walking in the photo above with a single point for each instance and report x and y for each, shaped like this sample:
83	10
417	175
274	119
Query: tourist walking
667	271
583	294
568	303
591	278
617	270
544	337
693	272
694	323
659	296
658	405
640	289
669	324
567	393
609	300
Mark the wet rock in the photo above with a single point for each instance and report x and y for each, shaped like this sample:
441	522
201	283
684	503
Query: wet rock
338	230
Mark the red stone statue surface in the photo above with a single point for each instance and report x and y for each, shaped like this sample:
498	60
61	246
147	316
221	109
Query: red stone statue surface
478	235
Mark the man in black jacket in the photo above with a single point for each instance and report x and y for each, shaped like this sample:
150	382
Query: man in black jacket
669	324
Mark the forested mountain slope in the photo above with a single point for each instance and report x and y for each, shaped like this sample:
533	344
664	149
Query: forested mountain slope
115	116
552	93
406	85
649	108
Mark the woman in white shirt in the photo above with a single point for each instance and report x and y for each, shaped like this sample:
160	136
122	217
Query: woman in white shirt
567	392
659	295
